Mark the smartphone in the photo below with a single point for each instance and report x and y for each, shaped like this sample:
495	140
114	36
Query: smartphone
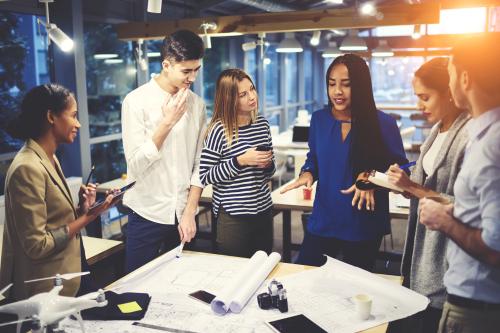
203	296
116	194
263	148
295	324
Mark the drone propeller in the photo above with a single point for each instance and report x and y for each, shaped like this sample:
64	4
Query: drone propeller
67	276
98	295
5	289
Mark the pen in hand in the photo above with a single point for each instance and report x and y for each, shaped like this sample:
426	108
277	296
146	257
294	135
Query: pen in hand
407	165
90	175
179	251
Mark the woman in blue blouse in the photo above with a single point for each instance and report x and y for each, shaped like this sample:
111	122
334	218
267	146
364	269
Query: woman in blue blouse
348	138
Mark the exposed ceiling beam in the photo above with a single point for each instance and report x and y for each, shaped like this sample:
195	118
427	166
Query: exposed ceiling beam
267	5
208	4
306	20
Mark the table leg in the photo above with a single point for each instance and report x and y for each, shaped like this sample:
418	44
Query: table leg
287	235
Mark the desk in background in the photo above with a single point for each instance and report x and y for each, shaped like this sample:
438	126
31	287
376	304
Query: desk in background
96	249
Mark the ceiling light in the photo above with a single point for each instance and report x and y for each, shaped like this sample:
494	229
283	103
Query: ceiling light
60	38
154	6
417	31
113	61
153	54
100	56
206	38
53	32
352	42
248	46
368	8
332	51
382	50
315	38
289	44
335	2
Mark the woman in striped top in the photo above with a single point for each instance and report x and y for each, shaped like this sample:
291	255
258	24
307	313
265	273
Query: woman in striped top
237	159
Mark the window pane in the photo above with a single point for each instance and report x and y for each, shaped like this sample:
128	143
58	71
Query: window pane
111	74
292	87
23	65
215	61
272	73
111	160
308	75
459	21
391	79
251	64
395	30
154	57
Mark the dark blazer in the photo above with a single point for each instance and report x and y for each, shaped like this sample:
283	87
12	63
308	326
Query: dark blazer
38	207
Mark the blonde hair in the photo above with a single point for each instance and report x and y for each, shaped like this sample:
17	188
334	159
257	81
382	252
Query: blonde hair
226	103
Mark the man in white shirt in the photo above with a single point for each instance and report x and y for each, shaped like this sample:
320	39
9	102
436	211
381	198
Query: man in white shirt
473	222
163	124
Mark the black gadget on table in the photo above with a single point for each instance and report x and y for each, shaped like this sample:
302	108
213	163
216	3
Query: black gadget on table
295	324
118	193
202	295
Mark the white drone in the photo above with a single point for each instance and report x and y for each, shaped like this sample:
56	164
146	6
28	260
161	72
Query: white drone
46	310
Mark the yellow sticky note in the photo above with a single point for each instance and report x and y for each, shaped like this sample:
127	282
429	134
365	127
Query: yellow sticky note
129	307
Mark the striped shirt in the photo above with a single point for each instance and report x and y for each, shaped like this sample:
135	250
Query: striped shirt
241	190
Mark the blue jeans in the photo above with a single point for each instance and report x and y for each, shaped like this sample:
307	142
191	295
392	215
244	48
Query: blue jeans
357	253
145	240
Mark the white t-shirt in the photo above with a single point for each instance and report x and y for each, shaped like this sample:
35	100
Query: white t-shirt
163	177
430	156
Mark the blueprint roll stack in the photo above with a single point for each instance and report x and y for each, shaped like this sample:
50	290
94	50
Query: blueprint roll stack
244	284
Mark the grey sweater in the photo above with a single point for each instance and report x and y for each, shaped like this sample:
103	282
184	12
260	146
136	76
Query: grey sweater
424	258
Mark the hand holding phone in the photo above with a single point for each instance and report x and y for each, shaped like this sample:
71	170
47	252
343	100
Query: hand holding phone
263	148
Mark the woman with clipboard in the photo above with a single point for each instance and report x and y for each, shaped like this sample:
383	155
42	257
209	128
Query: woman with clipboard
348	138
41	233
441	155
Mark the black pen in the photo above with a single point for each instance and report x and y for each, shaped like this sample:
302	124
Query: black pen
90	176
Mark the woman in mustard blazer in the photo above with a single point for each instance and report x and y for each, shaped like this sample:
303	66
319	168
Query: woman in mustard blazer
41	233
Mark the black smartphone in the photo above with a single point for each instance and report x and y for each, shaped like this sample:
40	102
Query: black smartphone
203	296
263	148
295	324
117	194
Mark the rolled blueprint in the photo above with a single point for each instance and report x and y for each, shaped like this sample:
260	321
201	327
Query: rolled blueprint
253	282
243	281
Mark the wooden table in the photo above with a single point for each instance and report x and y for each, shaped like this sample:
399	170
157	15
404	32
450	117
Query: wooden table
281	270
96	249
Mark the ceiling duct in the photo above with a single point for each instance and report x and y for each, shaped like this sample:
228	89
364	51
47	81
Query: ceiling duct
267	5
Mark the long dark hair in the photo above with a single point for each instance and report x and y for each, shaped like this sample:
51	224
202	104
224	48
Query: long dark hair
31	121
368	150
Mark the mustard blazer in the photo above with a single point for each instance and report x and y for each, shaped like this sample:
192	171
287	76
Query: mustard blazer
38	206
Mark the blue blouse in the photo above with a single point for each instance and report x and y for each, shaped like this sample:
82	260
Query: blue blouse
328	161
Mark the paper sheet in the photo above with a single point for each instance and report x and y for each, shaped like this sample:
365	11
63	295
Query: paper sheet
324	295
